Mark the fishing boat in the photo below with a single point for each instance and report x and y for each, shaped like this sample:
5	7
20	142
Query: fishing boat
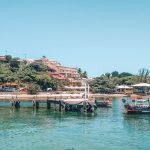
137	106
103	103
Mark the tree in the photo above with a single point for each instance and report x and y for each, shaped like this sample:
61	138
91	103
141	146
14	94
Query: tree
84	74
45	81
108	81
143	75
103	84
33	88
80	71
130	80
38	66
8	58
115	74
24	74
14	64
125	74
108	75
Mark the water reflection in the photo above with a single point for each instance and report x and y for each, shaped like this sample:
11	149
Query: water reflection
46	129
139	122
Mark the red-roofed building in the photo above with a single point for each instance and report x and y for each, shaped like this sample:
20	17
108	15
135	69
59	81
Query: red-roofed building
57	71
3	59
55	67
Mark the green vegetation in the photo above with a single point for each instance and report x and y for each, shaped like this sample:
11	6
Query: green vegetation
108	81
33	89
33	76
83	74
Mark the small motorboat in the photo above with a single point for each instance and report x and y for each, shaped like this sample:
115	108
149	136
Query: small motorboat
103	103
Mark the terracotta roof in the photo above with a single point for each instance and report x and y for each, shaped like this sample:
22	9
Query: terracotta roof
59	77
52	68
2	58
9	84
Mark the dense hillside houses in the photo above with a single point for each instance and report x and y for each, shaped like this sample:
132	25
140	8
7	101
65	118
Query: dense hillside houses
46	74
54	68
61	74
57	71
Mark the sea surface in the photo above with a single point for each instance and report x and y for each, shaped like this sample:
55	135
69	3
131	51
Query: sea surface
108	129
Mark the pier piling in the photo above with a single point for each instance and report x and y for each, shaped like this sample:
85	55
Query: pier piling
57	103
48	104
37	104
17	104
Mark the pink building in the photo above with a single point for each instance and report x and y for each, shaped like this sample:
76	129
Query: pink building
58	71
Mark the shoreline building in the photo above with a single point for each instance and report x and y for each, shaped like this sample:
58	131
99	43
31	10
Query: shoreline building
124	89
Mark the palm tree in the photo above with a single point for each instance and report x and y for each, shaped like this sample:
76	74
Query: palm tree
80	71
143	75
84	74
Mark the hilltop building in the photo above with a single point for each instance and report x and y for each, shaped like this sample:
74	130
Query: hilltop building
56	70
3	59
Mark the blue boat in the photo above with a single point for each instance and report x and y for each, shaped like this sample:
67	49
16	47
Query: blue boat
137	106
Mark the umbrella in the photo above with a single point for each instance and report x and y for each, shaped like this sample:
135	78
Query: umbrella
141	85
123	87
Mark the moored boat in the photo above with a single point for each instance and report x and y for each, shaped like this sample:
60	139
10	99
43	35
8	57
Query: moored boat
137	106
103	103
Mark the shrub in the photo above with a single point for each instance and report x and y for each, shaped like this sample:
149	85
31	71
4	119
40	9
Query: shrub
33	89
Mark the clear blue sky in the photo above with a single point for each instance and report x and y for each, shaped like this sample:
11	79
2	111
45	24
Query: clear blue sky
97	35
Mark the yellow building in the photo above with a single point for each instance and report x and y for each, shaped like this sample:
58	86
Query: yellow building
124	89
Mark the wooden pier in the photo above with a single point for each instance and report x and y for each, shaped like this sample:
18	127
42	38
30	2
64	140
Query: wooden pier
59	102
73	103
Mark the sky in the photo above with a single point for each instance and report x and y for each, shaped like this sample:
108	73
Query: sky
98	36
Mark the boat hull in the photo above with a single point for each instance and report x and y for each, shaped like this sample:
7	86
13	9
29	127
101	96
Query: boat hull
103	104
136	109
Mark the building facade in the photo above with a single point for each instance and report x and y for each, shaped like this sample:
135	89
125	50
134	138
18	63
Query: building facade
56	70
3	59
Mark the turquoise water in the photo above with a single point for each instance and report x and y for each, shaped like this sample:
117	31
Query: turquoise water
109	129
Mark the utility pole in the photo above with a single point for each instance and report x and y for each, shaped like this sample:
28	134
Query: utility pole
88	91
85	92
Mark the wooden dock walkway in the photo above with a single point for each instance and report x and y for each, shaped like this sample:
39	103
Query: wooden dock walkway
61	102
45	96
58	102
